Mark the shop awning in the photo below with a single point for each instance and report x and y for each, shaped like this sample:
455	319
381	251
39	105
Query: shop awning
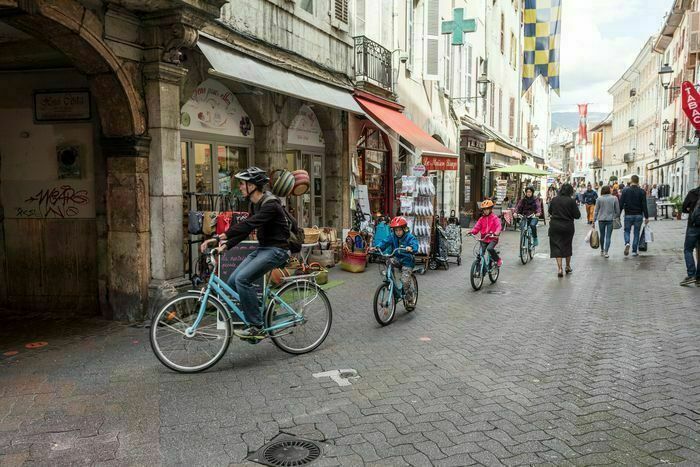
398	122
522	169
665	164
229	63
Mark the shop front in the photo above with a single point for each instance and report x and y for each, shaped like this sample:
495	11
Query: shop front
471	178
500	186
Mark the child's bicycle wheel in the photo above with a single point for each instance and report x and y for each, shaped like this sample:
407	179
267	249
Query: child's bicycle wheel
384	305
494	272
475	276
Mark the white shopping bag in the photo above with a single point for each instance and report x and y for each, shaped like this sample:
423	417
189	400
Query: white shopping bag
648	234
588	236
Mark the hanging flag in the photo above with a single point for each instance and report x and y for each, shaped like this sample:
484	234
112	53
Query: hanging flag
582	123
541	48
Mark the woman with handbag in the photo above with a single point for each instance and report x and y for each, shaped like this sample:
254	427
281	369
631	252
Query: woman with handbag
607	212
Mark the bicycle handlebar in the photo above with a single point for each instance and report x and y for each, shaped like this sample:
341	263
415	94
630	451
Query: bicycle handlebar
520	216
378	252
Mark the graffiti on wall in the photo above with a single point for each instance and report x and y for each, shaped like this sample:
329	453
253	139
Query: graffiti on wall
49	199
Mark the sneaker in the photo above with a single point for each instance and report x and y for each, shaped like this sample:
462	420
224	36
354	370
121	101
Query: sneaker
627	249
499	263
634	253
697	281
607	255
251	332
602	253
535	241
688	280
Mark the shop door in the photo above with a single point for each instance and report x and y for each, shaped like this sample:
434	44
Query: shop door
309	207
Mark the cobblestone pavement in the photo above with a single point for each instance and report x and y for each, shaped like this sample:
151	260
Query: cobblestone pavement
600	367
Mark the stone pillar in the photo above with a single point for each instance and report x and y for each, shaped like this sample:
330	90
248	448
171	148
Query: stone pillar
336	168
270	145
165	174
128	239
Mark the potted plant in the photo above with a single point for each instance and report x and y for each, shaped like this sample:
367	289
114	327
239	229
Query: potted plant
677	202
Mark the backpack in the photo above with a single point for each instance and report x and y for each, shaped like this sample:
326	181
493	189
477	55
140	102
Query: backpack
694	218
296	235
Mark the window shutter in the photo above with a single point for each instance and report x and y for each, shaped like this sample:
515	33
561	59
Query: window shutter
446	63
431	55
409	32
359	17
500	110
492	110
511	119
341	10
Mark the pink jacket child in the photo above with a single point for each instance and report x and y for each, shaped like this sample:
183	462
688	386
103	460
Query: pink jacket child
488	225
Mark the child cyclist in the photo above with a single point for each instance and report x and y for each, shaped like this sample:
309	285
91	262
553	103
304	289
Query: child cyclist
401	238
489	226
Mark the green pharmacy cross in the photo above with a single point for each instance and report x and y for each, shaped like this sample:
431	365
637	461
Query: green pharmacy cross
458	26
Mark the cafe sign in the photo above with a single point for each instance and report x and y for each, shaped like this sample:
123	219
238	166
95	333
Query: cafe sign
440	163
67	105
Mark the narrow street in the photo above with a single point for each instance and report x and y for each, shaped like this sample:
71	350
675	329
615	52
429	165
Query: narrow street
599	367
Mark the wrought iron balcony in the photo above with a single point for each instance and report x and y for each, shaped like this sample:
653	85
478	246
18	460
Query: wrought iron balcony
628	157
596	164
372	63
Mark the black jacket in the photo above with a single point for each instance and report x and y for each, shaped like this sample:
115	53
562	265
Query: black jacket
563	208
268	217
634	201
690	200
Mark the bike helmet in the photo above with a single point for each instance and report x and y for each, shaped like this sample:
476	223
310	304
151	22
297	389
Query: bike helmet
487	204
398	221
254	175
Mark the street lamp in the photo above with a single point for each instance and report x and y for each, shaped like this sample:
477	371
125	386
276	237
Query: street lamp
665	75
665	125
535	131
652	147
483	85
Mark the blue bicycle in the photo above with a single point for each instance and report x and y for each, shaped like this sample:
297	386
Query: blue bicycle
391	290
483	264
192	331
527	243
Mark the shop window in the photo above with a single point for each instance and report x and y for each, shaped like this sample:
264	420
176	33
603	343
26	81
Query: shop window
204	180
374	170
231	159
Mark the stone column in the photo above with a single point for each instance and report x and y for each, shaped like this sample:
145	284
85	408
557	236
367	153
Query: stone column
165	174
270	145
128	239
336	168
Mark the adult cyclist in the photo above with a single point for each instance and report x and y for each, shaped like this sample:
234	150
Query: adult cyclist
268	217
527	206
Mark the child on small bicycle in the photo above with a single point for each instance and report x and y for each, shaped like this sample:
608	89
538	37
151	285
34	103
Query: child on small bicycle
401	238
489	226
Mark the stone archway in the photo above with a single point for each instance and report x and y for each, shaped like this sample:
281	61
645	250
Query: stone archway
123	181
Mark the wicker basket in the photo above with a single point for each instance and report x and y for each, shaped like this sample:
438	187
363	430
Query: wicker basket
353	261
312	234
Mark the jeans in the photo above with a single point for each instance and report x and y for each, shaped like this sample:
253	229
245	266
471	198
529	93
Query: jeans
492	250
606	228
692	241
533	226
636	221
255	266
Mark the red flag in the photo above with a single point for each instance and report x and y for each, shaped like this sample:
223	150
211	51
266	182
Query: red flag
583	122
691	103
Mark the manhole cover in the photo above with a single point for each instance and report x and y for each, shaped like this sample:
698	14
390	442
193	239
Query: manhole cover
287	451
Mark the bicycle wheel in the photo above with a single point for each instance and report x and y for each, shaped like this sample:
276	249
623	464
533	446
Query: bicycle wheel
524	248
384	305
190	354
476	277
411	305
310	301
494	272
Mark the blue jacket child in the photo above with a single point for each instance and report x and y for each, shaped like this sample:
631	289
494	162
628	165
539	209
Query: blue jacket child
404	241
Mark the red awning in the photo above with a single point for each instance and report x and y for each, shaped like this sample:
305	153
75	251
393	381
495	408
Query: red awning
406	128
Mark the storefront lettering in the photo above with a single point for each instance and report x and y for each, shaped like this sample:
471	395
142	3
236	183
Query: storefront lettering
59	202
690	104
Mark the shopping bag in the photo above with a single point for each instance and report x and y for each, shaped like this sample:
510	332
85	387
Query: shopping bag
588	236
617	223
595	239
194	222
648	234
643	239
223	222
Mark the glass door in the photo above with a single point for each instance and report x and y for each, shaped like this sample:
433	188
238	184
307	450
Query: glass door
308	208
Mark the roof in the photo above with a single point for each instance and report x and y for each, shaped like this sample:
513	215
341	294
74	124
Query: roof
673	20
607	121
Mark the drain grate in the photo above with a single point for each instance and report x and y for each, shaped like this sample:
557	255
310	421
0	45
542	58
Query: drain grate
287	451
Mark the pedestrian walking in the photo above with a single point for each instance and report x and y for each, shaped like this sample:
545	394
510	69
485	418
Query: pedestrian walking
607	209
562	213
691	206
589	198
634	202
655	192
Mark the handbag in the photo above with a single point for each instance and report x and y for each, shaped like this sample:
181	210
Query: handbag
617	223
595	239
311	234
209	222
194	222
223	222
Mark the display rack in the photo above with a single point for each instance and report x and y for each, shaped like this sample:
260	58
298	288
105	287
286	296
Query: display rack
418	204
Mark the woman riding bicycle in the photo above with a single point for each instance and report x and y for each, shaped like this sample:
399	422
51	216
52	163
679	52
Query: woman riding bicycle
401	238
489	226
268	217
528	206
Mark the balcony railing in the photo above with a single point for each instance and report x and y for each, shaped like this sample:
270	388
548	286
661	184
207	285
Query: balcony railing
628	157
596	164
372	63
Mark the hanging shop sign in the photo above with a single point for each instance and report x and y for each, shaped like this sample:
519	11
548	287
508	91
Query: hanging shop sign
214	109
691	103
418	170
69	105
473	144
305	129
440	163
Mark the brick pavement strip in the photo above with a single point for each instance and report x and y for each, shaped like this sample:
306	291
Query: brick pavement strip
599	367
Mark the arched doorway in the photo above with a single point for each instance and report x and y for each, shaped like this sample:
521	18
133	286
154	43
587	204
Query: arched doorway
75	231
375	171
306	148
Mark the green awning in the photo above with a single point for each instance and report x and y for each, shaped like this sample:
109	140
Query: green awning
522	169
